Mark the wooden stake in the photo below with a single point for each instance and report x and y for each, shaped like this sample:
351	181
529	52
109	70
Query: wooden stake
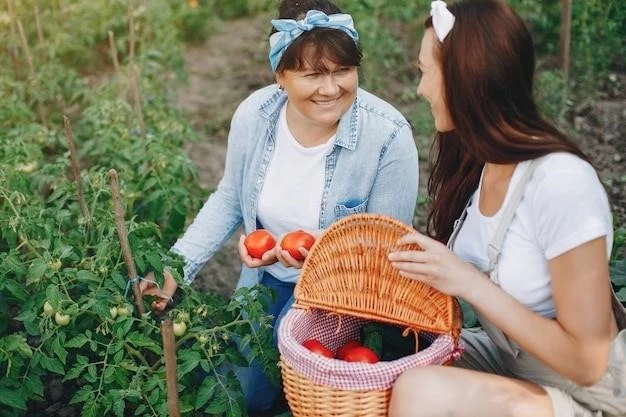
136	97
39	27
11	46
169	351
75	167
123	238
131	38
26	48
41	112
116	63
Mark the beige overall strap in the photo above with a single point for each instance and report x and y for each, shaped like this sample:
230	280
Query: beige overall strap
495	247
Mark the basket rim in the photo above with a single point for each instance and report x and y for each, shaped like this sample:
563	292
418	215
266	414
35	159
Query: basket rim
453	320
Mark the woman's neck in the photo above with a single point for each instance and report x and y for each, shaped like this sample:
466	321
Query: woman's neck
307	132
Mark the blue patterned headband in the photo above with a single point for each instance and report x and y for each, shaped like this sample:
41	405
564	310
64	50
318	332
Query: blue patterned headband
288	30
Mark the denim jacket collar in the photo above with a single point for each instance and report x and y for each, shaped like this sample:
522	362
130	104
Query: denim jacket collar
347	131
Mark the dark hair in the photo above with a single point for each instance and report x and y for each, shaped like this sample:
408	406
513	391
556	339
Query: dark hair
333	44
488	65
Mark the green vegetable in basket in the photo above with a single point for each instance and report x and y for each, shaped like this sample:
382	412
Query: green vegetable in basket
372	337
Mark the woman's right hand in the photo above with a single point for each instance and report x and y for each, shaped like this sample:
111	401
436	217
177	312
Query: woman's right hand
267	258
148	286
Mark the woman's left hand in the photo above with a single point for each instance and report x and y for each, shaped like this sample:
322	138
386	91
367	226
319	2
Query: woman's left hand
435	265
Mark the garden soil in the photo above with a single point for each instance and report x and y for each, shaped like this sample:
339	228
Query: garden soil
233	62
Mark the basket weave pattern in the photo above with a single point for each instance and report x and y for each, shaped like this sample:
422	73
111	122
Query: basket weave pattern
347	271
347	281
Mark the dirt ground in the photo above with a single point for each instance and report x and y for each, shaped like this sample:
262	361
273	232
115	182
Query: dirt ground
226	68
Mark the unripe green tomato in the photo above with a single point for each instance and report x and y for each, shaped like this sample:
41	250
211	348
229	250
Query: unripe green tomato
180	328
203	338
48	310
123	311
113	311
61	319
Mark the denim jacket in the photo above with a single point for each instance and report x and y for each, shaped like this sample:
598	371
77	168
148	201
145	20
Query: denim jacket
373	167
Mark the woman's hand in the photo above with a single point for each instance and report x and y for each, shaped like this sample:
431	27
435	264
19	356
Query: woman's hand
435	265
148	286
267	258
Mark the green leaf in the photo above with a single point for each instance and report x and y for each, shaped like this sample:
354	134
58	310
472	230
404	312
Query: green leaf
219	405
33	385
11	399
87	277
189	362
205	393
77	341
36	271
118	408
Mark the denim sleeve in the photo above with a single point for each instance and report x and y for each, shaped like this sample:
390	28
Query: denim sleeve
221	214
394	192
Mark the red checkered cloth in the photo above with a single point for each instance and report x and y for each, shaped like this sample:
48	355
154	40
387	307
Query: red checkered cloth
333	331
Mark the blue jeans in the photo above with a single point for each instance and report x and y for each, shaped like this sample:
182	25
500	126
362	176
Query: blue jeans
259	392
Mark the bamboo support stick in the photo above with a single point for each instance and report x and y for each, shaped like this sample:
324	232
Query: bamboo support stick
41	112
131	37
75	166
116	64
123	238
26	48
136	97
169	351
39	27
12	46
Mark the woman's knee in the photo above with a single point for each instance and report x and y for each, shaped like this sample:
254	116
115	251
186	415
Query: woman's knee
417	391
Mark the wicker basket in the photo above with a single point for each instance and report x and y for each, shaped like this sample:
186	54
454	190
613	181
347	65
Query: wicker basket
347	278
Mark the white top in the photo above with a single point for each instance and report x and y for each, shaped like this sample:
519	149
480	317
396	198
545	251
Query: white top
292	192
564	205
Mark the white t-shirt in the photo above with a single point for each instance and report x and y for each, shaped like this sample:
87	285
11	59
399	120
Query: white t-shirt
292	191
564	205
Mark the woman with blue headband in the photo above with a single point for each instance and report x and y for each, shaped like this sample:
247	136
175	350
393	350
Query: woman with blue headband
529	233
302	153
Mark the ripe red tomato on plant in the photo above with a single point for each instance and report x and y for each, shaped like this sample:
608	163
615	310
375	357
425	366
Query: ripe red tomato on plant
360	354
259	242
341	353
316	346
294	240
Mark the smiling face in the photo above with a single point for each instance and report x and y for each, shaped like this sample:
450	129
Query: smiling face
318	95
431	85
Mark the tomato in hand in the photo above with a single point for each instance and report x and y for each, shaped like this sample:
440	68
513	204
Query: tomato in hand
259	242
341	353
292	241
360	354
316	346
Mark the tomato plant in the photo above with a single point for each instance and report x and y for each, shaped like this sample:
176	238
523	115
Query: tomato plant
259	242
67	312
293	241
317	347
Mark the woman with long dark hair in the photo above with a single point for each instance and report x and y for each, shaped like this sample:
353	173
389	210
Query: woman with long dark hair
528	229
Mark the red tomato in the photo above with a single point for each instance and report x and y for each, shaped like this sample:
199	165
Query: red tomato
341	353
316	346
294	240
361	354
259	242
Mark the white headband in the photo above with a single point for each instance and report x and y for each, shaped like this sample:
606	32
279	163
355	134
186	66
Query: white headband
443	20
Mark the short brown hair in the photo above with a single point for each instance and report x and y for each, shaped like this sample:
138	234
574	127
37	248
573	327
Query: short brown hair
332	44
